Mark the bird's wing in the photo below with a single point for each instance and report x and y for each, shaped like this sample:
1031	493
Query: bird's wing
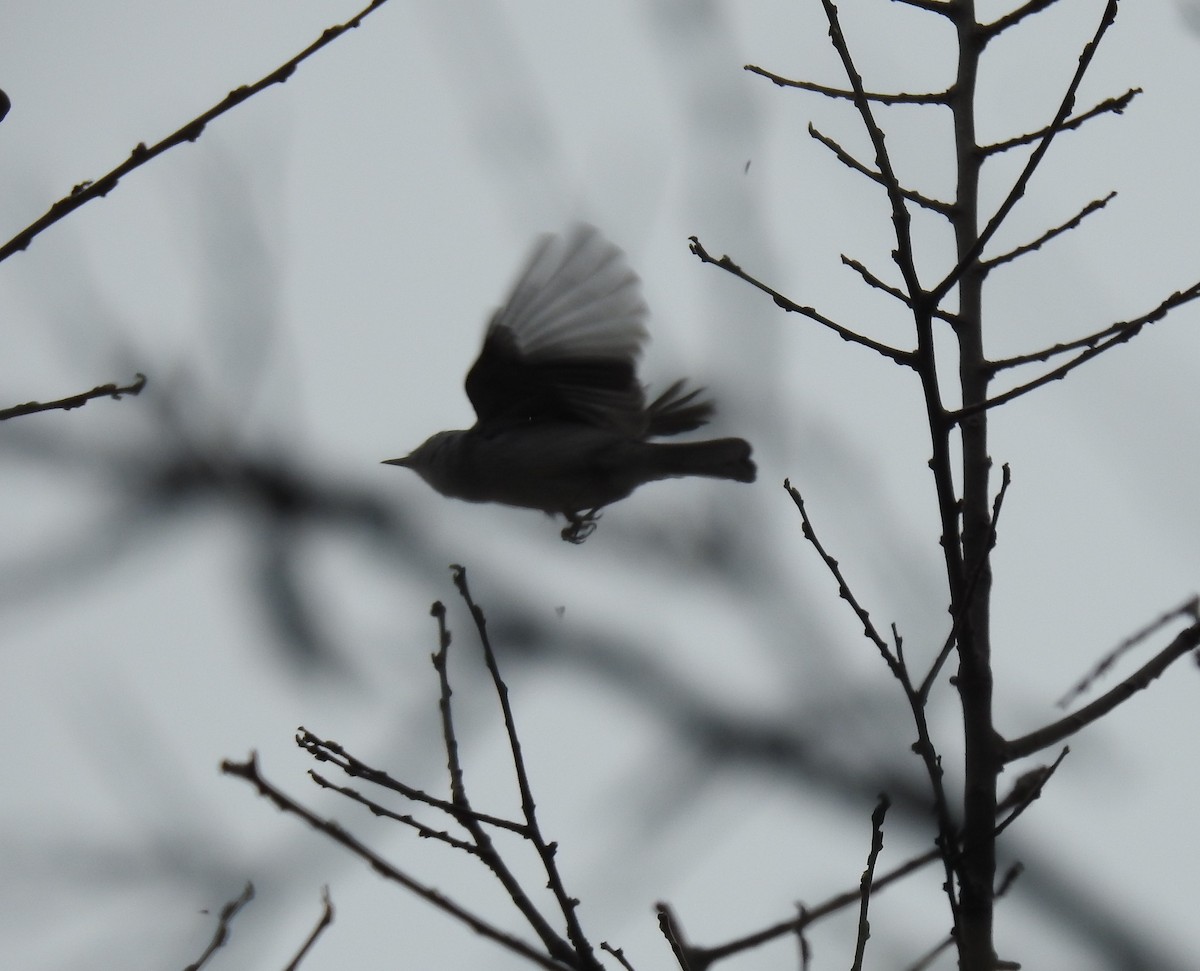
565	345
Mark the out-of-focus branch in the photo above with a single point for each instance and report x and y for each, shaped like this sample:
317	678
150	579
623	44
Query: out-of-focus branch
224	921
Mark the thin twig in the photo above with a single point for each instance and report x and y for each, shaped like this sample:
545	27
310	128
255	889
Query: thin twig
224	922
1035	157
325	920
845	333
248	771
1116	106
1094	206
1189	608
77	400
424	831
997	27
326	750
1026	789
94	189
1121	333
868	879
843	156
1185	642
617	953
924	747
485	848
873	281
546	851
972	585
870	631
929	98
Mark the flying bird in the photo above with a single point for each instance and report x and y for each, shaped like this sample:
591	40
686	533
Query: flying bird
562	421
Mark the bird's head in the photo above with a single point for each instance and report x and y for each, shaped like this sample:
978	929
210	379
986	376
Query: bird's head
435	460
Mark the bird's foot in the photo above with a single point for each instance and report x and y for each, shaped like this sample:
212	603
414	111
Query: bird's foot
580	525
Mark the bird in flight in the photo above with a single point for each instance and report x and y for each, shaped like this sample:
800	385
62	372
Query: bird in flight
562	421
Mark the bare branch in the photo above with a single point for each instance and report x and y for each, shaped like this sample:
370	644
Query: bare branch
1026	789
1185	642
485	848
221	935
901	220
864	618
972	586
873	281
324	921
617	953
997	27
933	6
141	154
248	771
807	916
546	851
75	401
326	750
930	98
924	201
1094	206
1115	105
424	831
1096	345
868	877
1036	156
1190	608
725	263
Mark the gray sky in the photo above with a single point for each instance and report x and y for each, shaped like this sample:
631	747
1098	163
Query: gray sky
306	286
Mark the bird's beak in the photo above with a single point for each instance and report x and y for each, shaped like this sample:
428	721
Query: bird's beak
402	462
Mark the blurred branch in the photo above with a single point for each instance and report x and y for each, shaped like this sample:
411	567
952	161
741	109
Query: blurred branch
228	912
75	401
141	154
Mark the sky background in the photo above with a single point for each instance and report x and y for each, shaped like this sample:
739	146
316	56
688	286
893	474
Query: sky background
190	574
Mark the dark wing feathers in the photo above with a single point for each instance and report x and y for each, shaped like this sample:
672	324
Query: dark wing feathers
566	343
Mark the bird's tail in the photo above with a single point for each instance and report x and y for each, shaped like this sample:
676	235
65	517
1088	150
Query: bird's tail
722	458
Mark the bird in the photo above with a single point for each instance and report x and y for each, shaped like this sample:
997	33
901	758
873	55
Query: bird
562	420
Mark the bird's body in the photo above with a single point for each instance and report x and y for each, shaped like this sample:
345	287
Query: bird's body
563	424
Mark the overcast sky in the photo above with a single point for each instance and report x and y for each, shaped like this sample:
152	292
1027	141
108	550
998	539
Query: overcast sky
306	286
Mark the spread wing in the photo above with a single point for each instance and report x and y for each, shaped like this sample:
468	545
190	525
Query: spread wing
566	343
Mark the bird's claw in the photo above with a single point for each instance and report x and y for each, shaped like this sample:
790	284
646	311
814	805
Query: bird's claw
580	526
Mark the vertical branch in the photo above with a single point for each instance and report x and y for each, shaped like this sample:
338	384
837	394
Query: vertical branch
972	602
